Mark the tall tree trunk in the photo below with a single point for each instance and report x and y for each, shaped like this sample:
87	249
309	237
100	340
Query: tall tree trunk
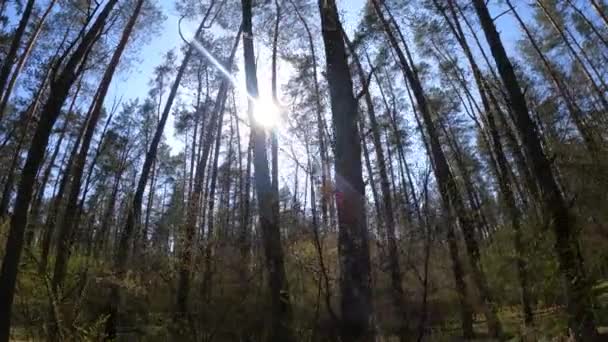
274	143
267	200
427	256
7	191
60	87
5	97
371	182
101	237
35	209
320	121
195	198
209	246
30	112
573	109
568	253
387	200
353	244
521	163
445	179
55	206
141	243
244	239
134	209
501	168
599	8
575	55
589	23
67	227
9	59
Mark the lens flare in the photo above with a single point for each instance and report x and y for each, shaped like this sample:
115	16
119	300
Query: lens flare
266	113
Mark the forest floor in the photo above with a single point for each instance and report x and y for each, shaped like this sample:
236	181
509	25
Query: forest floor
549	325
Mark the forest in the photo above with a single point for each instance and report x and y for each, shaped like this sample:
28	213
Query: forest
304	170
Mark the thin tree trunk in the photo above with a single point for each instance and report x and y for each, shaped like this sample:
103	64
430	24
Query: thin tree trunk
9	59
53	211
267	200
589	23
183	288
140	246
323	277
445	179
597	5
51	110
427	257
573	109
208	271
372	183
9	183
501	168
581	321
5	97
387	201
108	215
67	227
244	240
577	58
134	209
7	191
274	143
35	209
320	121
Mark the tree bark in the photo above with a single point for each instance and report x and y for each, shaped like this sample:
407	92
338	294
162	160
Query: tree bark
9	182
353	243
209	245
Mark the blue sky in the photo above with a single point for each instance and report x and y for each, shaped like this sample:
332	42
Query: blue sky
133	82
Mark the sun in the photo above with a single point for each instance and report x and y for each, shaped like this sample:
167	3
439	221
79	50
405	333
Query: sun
266	113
